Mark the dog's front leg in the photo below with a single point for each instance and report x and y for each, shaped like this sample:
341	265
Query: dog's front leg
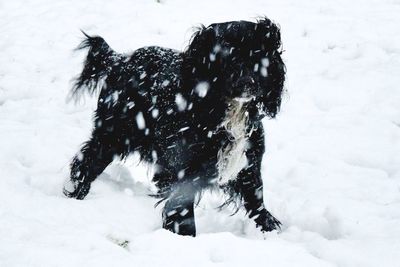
91	161
178	213
250	186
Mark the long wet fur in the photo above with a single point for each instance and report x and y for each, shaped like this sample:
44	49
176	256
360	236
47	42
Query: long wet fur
174	108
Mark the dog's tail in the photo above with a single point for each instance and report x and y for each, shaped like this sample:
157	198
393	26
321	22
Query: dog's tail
98	64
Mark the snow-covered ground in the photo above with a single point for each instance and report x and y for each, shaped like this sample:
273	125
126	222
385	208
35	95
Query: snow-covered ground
331	171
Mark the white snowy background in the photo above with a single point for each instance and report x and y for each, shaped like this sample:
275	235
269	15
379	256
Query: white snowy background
331	170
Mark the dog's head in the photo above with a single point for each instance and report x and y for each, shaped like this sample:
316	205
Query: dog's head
239	60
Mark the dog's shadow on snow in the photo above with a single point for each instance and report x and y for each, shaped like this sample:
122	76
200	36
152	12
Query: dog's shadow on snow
131	179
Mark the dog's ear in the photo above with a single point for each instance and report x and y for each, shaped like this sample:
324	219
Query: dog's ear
199	58
270	35
201	42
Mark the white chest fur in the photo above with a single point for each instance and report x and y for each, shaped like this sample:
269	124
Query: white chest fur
232	157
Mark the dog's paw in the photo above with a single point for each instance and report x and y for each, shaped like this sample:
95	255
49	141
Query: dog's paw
76	189
268	223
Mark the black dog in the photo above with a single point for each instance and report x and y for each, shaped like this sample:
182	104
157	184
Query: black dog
195	114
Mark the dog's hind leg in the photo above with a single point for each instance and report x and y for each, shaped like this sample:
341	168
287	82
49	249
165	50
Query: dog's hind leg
178	213
249	184
93	158
164	180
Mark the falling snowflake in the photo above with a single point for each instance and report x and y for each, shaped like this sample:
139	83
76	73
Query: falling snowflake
256	67
154	113
180	102
165	83
140	121
143	75
202	88
263	69
265	62
181	174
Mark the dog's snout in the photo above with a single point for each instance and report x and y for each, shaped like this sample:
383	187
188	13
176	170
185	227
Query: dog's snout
245	82
245	86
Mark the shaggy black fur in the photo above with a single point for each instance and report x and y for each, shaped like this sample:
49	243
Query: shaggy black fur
170	105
